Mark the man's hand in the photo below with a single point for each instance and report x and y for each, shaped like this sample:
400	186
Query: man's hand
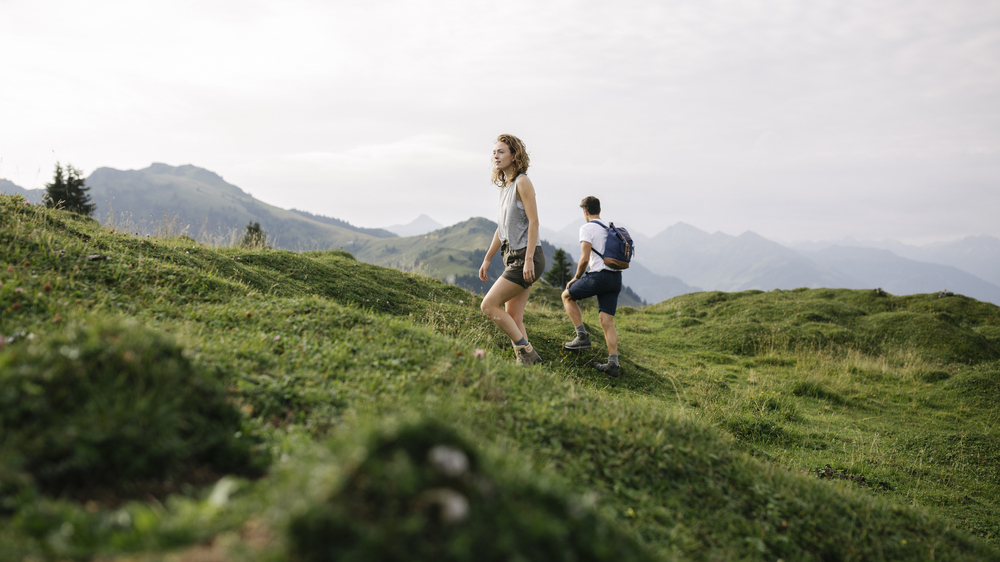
570	282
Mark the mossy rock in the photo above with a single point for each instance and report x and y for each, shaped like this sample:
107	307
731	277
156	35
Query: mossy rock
423	493
112	409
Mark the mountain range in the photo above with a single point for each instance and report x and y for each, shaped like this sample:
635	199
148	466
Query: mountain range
684	258
978	255
680	259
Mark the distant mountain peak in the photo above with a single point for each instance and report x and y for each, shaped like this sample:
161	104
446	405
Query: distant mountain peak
685	227
190	171
420	225
751	235
682	231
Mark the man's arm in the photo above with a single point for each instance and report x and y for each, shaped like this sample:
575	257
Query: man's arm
581	267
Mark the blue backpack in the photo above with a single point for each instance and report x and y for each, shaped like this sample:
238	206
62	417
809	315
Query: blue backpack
618	248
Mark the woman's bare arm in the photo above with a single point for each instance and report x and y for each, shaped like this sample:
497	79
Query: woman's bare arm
494	246
526	193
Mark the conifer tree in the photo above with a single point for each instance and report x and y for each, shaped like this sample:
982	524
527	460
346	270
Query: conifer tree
68	190
559	274
255	237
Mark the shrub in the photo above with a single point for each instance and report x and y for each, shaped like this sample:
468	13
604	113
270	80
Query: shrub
114	408
423	493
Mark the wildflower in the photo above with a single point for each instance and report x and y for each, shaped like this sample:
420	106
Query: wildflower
19	290
248	314
57	319
277	338
47	287
459	353
479	354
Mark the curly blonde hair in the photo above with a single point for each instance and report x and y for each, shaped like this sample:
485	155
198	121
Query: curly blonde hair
521	159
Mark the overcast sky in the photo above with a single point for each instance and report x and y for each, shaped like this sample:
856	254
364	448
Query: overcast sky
797	120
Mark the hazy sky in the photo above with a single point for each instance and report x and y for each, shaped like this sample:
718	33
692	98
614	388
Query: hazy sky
797	120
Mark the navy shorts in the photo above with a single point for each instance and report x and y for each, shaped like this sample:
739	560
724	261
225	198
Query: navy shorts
604	284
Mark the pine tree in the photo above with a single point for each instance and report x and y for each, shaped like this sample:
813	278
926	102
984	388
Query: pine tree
68	190
255	237
559	274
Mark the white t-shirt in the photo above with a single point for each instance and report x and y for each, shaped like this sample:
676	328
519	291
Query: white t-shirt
597	235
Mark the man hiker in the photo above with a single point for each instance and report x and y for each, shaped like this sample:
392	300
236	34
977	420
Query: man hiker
594	278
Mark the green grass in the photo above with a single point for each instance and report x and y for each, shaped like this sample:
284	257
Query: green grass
713	445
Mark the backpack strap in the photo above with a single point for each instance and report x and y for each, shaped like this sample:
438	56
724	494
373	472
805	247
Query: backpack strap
592	247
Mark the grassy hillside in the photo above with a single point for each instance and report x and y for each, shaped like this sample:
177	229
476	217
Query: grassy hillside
813	424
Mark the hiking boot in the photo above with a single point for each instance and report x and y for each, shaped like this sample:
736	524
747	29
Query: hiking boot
526	355
581	341
609	368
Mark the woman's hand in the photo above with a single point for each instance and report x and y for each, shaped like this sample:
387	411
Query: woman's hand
482	271
529	270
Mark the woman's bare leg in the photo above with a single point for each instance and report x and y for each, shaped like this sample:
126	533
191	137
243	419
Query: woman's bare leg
493	307
515	308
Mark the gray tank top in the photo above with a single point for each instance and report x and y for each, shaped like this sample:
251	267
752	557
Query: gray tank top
512	220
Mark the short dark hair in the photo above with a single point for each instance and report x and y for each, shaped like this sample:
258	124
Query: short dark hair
591	204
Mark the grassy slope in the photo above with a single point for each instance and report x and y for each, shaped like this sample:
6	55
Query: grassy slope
318	345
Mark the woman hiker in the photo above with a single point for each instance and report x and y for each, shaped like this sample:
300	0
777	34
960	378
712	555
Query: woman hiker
517	238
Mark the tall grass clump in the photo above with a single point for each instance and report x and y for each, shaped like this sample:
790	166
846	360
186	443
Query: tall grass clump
109	410
423	492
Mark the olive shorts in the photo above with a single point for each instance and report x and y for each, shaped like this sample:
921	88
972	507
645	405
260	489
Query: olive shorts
514	262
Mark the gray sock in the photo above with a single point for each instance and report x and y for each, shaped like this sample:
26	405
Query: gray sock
613	358
581	329
521	342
